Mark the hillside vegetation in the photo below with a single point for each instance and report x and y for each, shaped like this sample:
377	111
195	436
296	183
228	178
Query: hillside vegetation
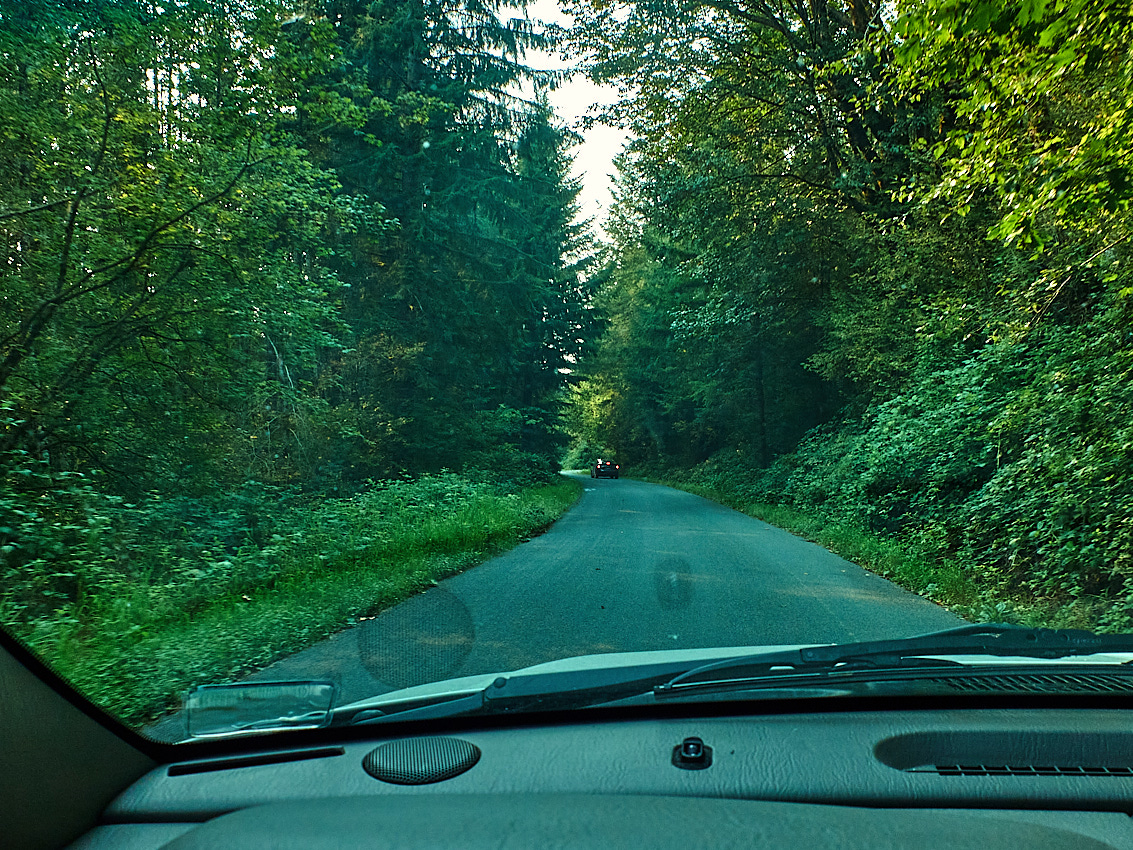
870	267
288	294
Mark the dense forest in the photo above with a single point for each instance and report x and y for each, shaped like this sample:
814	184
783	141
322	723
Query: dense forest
261	255
870	261
249	243
296	288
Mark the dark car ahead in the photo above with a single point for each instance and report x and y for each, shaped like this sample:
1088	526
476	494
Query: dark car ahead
605	469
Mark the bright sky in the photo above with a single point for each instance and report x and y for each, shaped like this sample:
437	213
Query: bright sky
593	159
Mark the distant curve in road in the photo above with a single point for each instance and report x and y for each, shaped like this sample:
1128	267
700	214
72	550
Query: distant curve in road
632	566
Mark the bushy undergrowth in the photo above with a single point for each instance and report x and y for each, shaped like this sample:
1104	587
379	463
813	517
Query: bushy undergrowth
1002	485
133	602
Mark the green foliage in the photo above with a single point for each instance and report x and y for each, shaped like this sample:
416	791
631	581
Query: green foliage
244	243
1039	91
474	300
762	274
810	196
1011	467
257	254
165	262
108	592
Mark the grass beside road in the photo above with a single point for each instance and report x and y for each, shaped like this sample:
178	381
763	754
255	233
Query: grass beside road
134	647
968	590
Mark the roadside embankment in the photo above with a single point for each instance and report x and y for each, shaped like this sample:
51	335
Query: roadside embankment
135	643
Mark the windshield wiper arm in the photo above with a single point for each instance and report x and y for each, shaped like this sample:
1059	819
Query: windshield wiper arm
443	707
593	687
523	692
993	639
543	692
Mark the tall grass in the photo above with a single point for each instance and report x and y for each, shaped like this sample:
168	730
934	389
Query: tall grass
133	640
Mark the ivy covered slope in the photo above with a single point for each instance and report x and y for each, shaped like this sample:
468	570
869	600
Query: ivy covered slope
871	266
259	256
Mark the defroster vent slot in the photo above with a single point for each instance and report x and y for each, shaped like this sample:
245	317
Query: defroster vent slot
1009	752
256	760
1019	770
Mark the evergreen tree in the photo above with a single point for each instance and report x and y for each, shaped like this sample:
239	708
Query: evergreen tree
448	307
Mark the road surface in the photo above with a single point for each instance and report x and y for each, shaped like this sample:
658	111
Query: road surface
632	566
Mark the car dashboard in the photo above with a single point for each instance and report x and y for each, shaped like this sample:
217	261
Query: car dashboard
914	777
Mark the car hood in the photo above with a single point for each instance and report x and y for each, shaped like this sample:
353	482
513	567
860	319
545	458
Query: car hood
607	661
629	664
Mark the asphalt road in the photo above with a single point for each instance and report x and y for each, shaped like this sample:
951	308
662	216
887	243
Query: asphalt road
632	566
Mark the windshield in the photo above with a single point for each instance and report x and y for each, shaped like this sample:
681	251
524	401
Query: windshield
369	345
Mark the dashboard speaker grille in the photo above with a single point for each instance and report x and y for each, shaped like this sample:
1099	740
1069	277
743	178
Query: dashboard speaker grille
419	761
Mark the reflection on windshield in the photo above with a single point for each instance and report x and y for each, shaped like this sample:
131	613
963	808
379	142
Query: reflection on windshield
301	322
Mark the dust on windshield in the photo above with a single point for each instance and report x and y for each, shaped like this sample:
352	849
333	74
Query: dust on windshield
314	364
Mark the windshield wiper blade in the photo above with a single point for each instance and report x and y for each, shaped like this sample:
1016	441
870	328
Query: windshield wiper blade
988	639
545	692
590	687
522	692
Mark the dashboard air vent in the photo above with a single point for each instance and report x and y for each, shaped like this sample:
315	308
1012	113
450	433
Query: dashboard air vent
1041	683
1010	752
1019	770
252	761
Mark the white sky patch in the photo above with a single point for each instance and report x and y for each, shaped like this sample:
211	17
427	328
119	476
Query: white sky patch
572	100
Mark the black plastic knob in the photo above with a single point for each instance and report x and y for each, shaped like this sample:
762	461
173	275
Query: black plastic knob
692	754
